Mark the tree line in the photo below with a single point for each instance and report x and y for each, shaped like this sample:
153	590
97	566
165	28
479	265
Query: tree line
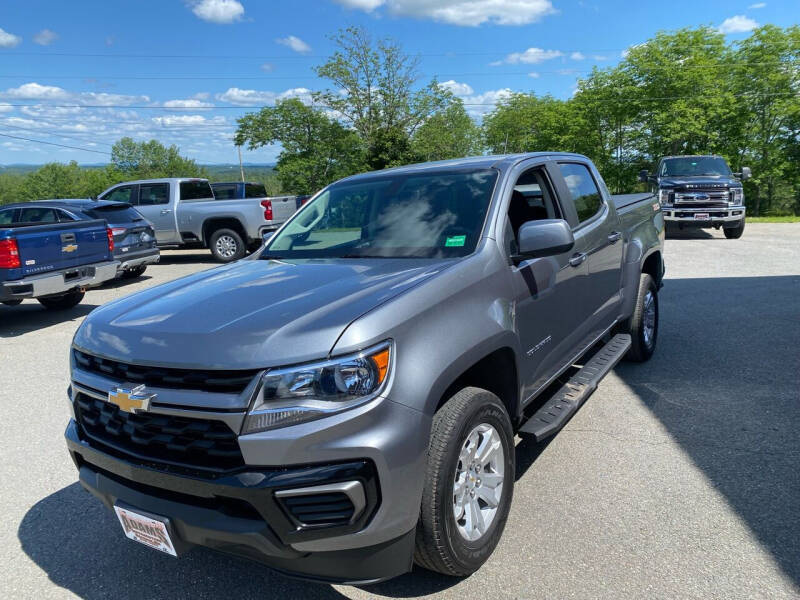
681	92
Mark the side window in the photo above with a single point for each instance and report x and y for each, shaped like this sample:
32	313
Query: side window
7	216
153	193
531	200
196	190
225	191
583	190
123	193
64	216
37	215
254	190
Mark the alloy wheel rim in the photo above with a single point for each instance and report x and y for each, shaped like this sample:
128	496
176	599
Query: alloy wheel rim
226	246
649	328
478	482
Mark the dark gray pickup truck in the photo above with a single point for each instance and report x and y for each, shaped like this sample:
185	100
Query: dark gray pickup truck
344	402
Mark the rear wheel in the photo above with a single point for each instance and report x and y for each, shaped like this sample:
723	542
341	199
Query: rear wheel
134	272
643	324
226	245
734	233
14	302
63	302
468	485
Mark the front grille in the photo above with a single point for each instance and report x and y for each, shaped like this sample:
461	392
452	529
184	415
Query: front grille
201	443
187	379
716	196
320	510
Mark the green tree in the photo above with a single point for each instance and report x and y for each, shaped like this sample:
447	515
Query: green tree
526	123
316	149
144	160
449	133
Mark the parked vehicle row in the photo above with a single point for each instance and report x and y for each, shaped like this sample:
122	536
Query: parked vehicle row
370	367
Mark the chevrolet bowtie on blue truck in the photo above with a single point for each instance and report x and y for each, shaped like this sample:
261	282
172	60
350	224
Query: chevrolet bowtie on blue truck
51	261
700	191
343	403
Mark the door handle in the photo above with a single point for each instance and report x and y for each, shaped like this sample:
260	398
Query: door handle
614	237
165	211
577	259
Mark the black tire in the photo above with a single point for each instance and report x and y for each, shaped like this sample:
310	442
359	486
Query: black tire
63	302
14	302
226	245
440	546
643	346
734	233
134	272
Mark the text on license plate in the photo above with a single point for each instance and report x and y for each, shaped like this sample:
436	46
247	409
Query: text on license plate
702	216
145	530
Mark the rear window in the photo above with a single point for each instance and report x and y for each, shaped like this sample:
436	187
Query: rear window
195	190
224	191
114	214
255	190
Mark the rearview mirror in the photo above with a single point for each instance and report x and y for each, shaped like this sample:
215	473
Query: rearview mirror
644	176
746	173
545	237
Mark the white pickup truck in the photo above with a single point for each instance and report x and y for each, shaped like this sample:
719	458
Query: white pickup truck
185	212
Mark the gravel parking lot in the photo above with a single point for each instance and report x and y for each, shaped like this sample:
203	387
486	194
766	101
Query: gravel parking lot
678	477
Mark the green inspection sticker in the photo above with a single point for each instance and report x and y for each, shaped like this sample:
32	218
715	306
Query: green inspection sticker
455	240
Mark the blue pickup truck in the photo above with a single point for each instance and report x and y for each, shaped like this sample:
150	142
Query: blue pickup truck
54	262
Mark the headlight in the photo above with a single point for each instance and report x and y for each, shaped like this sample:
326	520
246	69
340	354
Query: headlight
307	392
737	196
663	196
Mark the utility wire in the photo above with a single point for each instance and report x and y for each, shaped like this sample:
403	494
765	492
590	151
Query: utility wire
57	134
16	137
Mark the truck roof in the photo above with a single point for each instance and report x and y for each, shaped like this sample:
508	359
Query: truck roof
497	161
692	156
162	180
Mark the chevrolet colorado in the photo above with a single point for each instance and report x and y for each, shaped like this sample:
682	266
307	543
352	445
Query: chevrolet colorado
700	191
343	402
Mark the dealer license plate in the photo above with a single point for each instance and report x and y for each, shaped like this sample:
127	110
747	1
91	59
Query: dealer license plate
701	216
145	530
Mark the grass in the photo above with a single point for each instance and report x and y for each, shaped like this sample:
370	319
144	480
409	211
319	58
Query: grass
786	219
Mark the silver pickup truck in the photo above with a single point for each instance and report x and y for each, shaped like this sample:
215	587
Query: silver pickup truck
344	402
185	212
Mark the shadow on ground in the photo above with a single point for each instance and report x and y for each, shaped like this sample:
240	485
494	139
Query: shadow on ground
32	316
725	383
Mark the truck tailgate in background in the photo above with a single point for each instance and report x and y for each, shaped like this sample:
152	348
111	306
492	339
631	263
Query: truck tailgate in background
44	248
283	207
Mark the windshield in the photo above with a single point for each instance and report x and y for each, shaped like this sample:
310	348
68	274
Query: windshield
693	166
424	215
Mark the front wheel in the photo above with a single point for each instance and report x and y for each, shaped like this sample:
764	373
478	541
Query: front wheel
63	302
734	233
643	324
134	272
469	484
226	245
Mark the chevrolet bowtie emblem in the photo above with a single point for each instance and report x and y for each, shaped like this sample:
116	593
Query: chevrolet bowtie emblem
131	399
69	248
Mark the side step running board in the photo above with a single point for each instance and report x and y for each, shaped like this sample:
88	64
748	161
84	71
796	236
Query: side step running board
565	402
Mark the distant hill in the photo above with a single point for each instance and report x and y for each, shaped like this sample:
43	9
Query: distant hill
215	171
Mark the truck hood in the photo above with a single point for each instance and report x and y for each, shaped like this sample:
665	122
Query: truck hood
248	315
705	180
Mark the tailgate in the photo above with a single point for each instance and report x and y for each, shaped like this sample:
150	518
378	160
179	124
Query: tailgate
283	208
44	248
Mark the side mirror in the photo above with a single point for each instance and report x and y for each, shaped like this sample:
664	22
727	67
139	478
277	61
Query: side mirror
746	173
644	176
546	237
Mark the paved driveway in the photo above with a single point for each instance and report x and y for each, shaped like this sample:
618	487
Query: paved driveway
678	478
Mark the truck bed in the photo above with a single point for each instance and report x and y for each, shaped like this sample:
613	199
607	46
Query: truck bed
627	201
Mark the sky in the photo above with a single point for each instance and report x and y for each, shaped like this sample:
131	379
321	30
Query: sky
86	73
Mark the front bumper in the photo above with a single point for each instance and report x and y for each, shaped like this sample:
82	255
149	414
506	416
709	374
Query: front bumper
131	260
716	215
58	282
242	513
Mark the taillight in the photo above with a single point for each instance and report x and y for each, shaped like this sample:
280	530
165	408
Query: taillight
9	254
110	234
267	204
118	230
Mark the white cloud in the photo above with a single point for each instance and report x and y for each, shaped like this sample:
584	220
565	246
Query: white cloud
467	13
599	57
737	24
36	91
295	43
242	97
531	56
8	40
534	75
758	5
6	108
577	56
187	103
45	37
459	89
267	67
221	12
478	105
187	120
